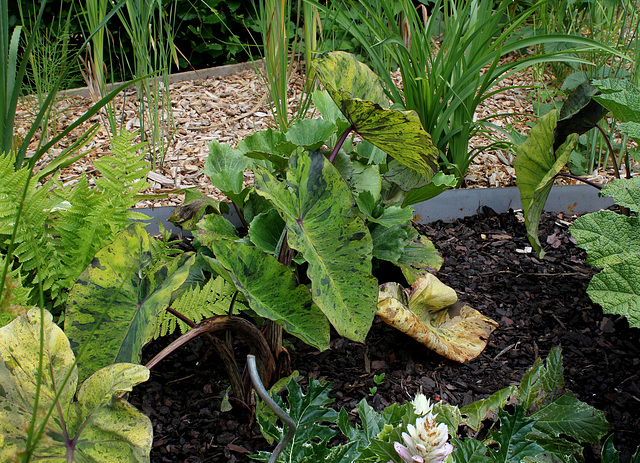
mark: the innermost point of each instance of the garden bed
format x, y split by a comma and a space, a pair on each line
538, 304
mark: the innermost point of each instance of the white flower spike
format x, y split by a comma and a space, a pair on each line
427, 441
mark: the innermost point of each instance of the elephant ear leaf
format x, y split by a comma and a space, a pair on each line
579, 113
537, 164
124, 296
432, 316
358, 93
336, 243
99, 427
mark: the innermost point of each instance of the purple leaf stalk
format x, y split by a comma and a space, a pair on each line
427, 441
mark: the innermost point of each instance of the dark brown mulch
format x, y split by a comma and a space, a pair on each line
538, 303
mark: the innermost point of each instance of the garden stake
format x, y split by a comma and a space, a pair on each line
264, 395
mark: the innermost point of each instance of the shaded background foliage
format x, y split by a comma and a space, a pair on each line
207, 32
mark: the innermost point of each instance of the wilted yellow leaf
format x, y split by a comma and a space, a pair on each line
456, 331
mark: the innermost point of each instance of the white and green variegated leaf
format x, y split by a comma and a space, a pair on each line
272, 292
317, 206
99, 427
123, 297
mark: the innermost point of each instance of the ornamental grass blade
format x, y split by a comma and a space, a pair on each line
100, 427
334, 241
455, 331
114, 293
272, 291
536, 166
358, 93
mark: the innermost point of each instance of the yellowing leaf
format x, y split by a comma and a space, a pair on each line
428, 295
457, 331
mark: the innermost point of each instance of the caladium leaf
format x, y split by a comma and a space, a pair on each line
225, 166
266, 231
119, 291
272, 292
310, 133
439, 183
456, 331
420, 257
194, 207
267, 145
100, 427
337, 245
536, 166
358, 93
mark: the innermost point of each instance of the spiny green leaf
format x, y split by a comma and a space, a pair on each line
512, 438
568, 416
332, 239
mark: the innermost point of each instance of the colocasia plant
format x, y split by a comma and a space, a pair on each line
323, 213
609, 238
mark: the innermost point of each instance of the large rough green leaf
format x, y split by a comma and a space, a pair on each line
625, 192
617, 289
432, 317
607, 237
632, 129
337, 245
569, 417
272, 292
100, 427
119, 292
358, 93
620, 97
536, 165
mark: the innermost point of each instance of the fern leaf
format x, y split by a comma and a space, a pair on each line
198, 303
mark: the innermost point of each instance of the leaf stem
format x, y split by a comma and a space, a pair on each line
340, 142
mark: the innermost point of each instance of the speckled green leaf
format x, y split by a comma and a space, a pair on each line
336, 243
100, 427
272, 292
358, 93
420, 257
536, 165
118, 286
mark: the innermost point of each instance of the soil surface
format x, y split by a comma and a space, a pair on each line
539, 304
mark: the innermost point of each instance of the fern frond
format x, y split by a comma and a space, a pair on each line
124, 175
198, 303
